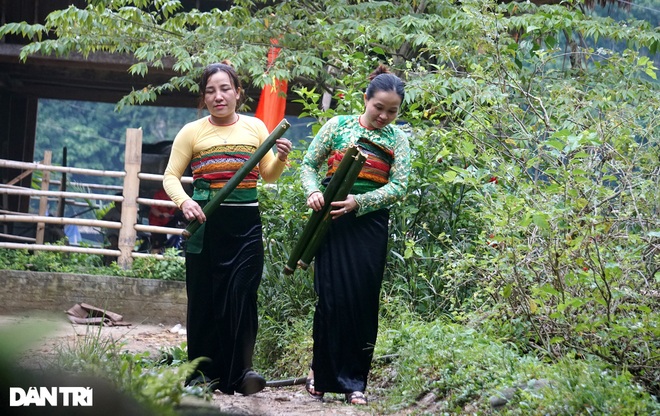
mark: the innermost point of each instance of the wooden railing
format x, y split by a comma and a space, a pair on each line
129, 198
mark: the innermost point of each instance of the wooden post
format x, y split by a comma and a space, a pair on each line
129, 208
61, 202
43, 201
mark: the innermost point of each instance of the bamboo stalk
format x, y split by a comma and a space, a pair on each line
4, 163
286, 382
69, 249
241, 173
158, 230
4, 211
17, 190
43, 200
156, 202
155, 177
17, 238
75, 249
341, 194
136, 255
19, 177
85, 185
59, 220
317, 216
71, 202
129, 206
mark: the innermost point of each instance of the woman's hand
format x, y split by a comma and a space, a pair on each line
343, 207
315, 200
191, 210
283, 148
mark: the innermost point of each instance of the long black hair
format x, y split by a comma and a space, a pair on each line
383, 80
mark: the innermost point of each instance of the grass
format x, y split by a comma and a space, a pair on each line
455, 369
86, 351
152, 385
422, 368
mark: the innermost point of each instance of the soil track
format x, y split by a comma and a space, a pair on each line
272, 401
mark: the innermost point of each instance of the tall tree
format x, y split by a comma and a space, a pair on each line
321, 41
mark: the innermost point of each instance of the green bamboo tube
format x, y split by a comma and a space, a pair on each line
343, 191
240, 174
317, 216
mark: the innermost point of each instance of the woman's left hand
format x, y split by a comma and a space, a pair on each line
283, 148
343, 207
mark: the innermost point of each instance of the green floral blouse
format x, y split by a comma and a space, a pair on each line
337, 135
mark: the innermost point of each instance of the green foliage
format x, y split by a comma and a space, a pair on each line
423, 35
14, 259
174, 356
532, 212
284, 346
171, 267
157, 387
569, 216
584, 387
85, 351
50, 261
94, 135
463, 368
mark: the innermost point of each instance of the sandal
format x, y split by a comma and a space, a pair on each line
357, 398
309, 386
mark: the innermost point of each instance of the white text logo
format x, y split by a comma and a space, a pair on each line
54, 396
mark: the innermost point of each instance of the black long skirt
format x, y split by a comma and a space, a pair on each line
348, 273
221, 284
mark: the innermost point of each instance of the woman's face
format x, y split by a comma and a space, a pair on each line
381, 109
220, 98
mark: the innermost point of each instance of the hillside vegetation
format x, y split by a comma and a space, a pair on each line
528, 245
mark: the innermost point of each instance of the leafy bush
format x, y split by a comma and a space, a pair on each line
532, 212
452, 368
159, 388
171, 267
53, 261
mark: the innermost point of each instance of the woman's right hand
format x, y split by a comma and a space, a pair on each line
191, 210
315, 200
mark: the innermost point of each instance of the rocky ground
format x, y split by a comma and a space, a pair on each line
272, 401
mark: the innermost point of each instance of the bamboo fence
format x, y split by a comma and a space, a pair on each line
129, 198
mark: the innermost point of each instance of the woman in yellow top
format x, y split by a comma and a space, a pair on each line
224, 258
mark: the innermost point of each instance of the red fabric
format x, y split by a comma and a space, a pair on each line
154, 218
272, 102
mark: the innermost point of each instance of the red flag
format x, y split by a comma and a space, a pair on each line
272, 101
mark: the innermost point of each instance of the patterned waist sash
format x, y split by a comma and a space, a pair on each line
213, 167
375, 172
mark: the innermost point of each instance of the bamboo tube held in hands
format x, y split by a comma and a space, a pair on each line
317, 216
342, 193
338, 189
240, 174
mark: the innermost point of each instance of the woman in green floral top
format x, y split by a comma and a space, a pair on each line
350, 263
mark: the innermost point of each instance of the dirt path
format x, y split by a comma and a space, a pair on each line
272, 401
